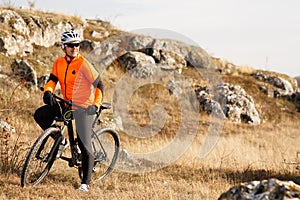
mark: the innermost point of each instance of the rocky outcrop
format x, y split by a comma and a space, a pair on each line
21, 32
171, 54
25, 73
138, 64
271, 189
232, 100
275, 86
281, 87
239, 106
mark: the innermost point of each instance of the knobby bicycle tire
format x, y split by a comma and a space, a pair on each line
41, 157
106, 145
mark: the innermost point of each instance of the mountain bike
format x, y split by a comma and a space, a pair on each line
45, 150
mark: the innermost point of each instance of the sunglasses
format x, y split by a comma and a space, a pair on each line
72, 45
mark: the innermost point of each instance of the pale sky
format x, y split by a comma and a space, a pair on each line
264, 34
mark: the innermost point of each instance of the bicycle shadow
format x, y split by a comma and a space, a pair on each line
69, 178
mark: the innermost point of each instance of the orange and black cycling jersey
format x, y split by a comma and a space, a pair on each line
79, 81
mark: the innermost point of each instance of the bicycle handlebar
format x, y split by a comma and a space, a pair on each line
70, 103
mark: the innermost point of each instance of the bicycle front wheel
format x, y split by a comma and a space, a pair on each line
106, 145
41, 157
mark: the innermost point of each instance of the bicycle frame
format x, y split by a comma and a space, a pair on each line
73, 160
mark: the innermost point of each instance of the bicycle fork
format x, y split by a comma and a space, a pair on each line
73, 160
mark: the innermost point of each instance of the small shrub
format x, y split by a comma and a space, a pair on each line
12, 153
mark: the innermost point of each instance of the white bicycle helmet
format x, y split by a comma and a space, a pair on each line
70, 36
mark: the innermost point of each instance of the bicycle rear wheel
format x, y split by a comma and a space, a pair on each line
105, 144
41, 157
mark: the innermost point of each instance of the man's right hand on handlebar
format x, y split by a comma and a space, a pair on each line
49, 99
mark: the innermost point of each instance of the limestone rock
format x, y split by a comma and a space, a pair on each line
22, 31
239, 106
271, 189
138, 64
236, 103
23, 71
281, 86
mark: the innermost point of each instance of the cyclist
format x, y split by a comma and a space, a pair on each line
81, 83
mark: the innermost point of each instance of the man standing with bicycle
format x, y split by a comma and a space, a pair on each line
80, 82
